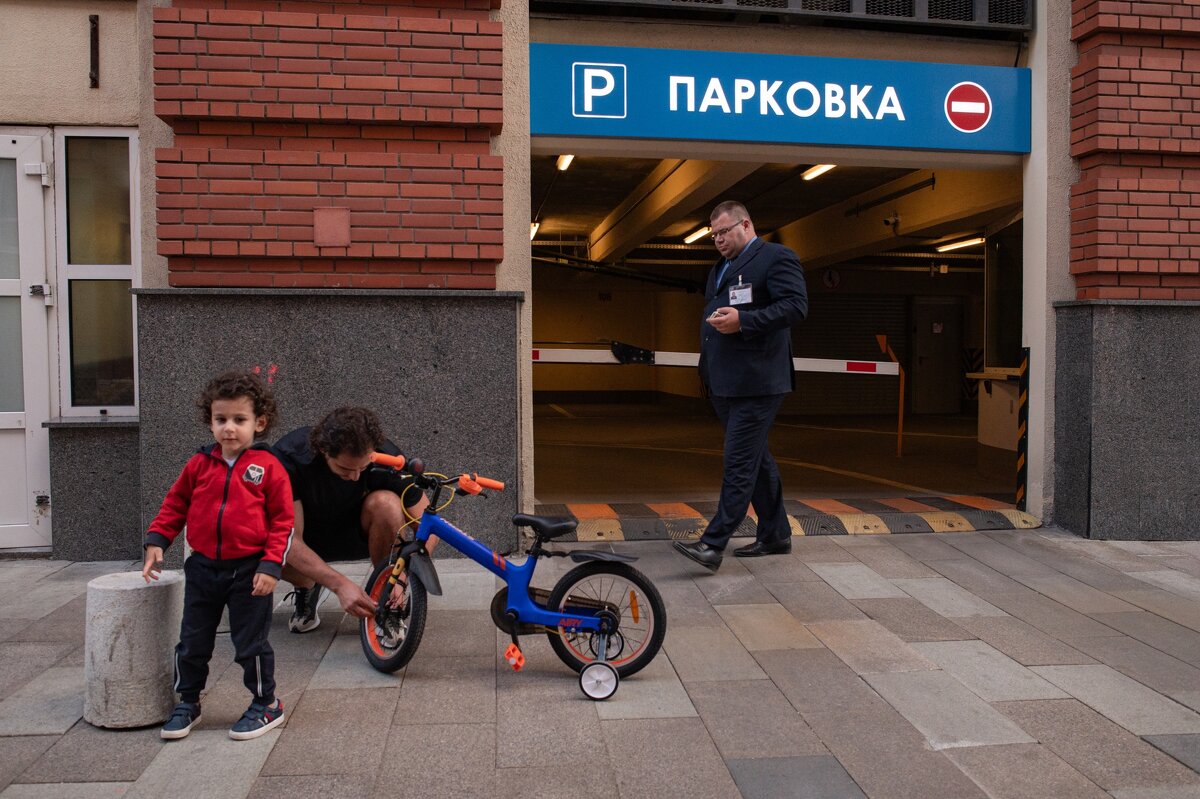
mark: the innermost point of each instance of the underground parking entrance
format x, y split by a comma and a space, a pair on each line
907, 374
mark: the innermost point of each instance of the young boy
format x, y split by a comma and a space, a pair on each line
235, 501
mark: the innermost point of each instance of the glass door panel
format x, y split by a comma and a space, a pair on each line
10, 253
12, 377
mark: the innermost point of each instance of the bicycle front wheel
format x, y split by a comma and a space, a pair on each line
622, 590
390, 638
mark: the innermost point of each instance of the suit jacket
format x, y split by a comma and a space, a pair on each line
757, 360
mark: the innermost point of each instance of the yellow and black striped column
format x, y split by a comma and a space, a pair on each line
1023, 431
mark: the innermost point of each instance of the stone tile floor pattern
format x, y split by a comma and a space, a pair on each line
1014, 665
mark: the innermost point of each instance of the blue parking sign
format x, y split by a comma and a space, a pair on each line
644, 93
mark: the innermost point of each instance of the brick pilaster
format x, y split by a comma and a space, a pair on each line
1135, 107
323, 144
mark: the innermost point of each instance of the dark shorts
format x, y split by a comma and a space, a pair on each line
336, 533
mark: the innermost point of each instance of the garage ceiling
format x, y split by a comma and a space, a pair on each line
633, 213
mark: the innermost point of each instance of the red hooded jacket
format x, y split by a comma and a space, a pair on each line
231, 512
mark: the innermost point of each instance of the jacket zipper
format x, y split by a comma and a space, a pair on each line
224, 500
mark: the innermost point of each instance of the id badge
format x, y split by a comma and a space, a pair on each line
741, 294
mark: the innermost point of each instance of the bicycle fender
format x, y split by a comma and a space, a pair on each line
584, 555
422, 567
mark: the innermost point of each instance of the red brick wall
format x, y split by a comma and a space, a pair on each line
382, 111
1135, 107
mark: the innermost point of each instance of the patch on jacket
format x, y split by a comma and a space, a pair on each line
254, 474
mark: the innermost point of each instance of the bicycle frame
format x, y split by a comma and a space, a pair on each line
516, 575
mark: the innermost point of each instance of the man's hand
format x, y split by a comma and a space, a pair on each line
725, 320
353, 599
304, 567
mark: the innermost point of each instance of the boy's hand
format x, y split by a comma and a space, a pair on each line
153, 563
263, 584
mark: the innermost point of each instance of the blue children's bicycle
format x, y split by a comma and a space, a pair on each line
604, 618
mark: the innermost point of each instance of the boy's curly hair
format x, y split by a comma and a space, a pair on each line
347, 429
232, 385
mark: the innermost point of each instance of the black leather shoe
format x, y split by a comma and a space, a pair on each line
760, 548
707, 556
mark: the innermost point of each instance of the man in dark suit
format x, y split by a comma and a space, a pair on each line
754, 295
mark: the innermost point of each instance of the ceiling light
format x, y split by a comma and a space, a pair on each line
564, 161
817, 171
697, 235
958, 245
533, 228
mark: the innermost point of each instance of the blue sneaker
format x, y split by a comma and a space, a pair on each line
257, 720
185, 716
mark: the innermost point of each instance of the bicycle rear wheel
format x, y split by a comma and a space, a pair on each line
390, 638
624, 591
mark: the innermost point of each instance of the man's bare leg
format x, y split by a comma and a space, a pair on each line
383, 514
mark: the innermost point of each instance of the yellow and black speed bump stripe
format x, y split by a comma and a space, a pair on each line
894, 515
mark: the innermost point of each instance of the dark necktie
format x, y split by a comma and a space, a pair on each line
721, 274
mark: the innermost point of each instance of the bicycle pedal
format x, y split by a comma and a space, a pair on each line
514, 657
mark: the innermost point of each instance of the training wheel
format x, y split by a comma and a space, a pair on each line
598, 681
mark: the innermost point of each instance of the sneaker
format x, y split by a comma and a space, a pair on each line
304, 617
257, 720
185, 716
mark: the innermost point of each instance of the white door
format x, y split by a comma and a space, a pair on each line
24, 359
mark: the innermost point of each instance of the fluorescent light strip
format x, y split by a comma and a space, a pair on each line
697, 235
564, 161
958, 245
817, 171
533, 229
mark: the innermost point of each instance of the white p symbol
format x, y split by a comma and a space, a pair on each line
592, 89
598, 90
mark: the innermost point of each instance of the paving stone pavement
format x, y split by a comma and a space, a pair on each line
1011, 665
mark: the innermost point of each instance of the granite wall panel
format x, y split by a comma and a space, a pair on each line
1137, 405
439, 368
94, 482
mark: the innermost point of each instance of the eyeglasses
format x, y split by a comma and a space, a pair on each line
716, 234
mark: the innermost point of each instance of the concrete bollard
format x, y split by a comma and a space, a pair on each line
129, 641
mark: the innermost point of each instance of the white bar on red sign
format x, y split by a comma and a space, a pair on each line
573, 356
676, 359
846, 367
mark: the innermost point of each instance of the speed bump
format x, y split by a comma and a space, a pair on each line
882, 516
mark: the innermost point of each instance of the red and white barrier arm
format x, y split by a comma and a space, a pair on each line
692, 359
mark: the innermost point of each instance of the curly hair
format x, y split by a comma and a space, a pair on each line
347, 429
233, 385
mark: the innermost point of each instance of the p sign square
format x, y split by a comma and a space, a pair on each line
598, 90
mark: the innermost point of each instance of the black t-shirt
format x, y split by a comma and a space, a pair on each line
323, 493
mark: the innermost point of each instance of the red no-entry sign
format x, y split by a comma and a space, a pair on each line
968, 107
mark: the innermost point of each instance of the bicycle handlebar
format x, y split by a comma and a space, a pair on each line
473, 483
383, 459
470, 483
488, 482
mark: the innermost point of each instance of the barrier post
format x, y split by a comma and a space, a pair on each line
886, 349
1023, 431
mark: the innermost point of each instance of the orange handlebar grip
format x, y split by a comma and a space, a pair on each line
465, 483
383, 459
488, 482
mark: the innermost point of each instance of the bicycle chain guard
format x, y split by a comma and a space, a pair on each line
500, 606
